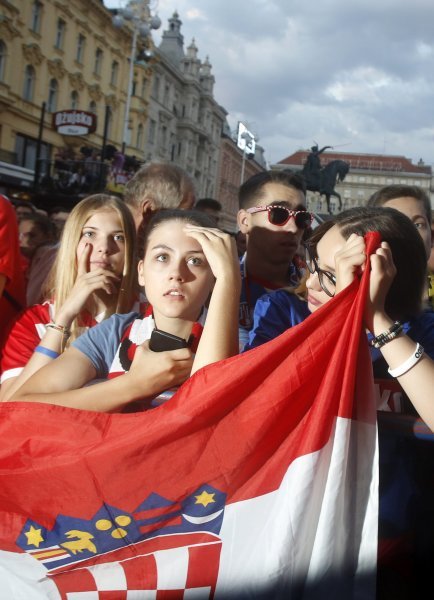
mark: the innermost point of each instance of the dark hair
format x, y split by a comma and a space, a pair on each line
45, 225
404, 298
251, 189
195, 217
24, 204
57, 209
316, 234
390, 192
208, 203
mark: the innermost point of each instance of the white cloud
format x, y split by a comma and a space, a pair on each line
358, 72
195, 14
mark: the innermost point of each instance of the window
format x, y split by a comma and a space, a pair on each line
144, 84
92, 107
2, 60
35, 25
98, 61
52, 96
60, 34
81, 42
164, 137
152, 128
156, 87
114, 73
29, 83
139, 143
25, 148
109, 123
74, 99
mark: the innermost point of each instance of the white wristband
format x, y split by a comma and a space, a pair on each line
409, 363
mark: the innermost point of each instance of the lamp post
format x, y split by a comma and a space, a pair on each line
138, 13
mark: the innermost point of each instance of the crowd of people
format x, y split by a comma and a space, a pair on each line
71, 271
83, 294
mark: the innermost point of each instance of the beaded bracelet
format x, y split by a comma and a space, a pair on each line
409, 363
60, 328
387, 336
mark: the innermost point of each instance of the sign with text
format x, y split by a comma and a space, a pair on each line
74, 122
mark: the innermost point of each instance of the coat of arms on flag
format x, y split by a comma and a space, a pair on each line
134, 551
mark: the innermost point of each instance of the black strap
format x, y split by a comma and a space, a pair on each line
12, 300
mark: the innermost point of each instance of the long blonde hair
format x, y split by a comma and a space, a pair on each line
63, 274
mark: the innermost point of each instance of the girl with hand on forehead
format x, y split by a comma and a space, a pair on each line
185, 261
401, 334
93, 277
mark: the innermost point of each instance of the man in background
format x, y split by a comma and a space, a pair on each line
211, 207
273, 218
156, 186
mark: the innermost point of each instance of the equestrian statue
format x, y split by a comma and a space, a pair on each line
323, 179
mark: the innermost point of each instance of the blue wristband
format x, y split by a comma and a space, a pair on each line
46, 351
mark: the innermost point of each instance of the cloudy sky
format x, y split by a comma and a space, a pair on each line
357, 75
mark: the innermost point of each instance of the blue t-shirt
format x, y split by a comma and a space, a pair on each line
279, 310
275, 313
251, 291
100, 343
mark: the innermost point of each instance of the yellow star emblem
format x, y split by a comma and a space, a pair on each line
34, 536
204, 498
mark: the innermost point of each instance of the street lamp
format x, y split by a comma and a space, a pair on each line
138, 14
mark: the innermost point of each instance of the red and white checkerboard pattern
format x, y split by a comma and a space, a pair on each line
182, 566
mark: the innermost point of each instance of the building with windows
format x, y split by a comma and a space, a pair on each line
185, 121
235, 167
367, 173
68, 55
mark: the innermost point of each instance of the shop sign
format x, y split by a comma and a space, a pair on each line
74, 122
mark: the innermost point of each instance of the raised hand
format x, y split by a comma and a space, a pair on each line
383, 271
349, 261
87, 282
219, 249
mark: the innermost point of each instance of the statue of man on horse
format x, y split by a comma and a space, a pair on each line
323, 179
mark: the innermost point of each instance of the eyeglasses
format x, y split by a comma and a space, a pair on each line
326, 279
280, 215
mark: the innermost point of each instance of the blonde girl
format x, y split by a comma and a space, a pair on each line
93, 277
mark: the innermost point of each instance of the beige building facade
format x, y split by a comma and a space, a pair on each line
68, 55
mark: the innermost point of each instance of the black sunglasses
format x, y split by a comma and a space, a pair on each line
326, 279
280, 215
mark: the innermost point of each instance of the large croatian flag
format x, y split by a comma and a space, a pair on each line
259, 479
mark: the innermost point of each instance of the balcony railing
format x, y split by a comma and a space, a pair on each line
72, 176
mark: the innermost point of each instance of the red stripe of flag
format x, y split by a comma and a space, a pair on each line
176, 520
160, 511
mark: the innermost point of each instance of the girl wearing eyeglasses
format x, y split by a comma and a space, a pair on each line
400, 332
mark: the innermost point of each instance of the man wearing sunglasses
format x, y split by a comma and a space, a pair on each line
273, 217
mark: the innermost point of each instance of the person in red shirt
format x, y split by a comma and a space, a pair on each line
93, 277
12, 286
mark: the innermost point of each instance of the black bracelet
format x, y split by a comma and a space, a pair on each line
382, 339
